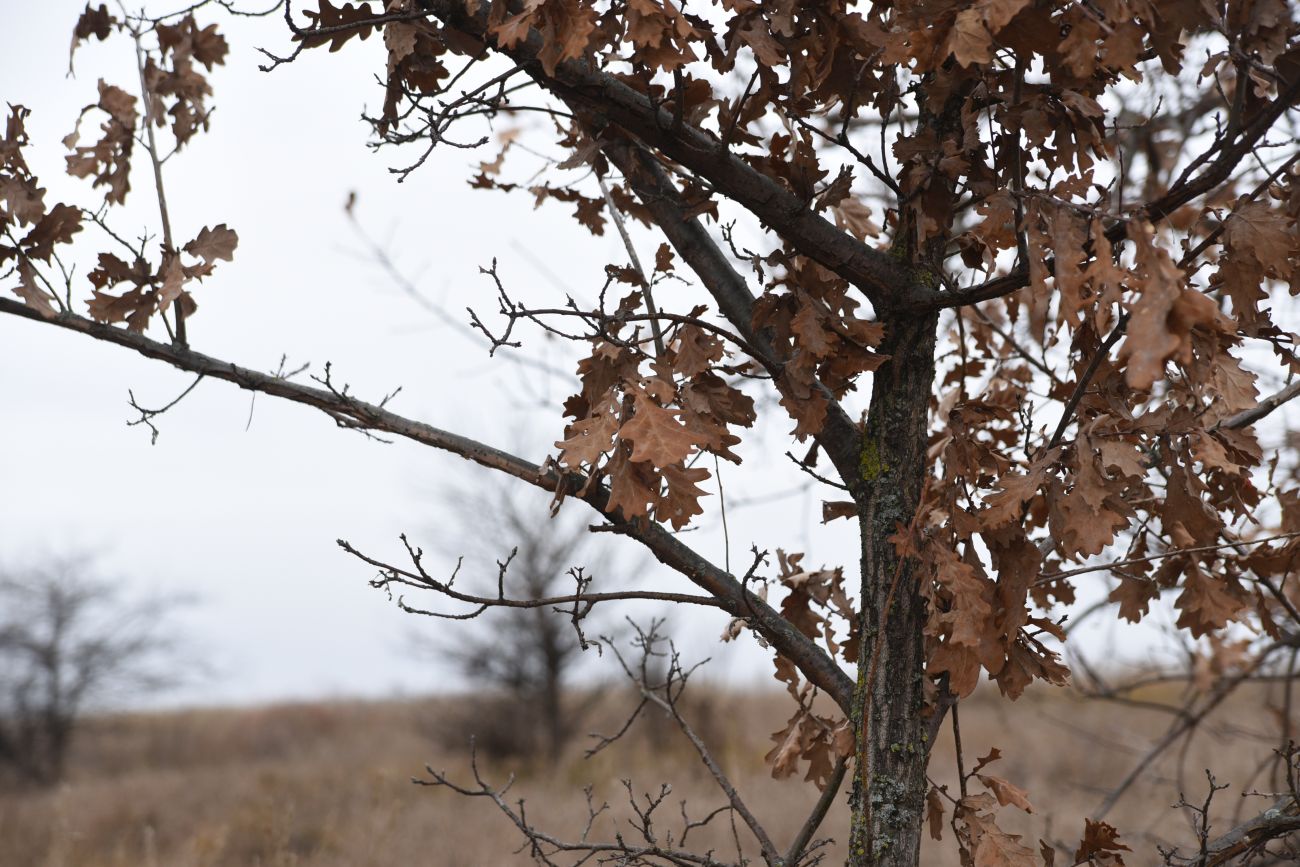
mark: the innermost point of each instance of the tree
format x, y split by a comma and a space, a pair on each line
68, 642
527, 653
1049, 239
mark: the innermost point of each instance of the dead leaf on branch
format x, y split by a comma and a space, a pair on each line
343, 22
934, 811
219, 242
96, 22
1100, 839
109, 159
656, 435
56, 227
153, 291
1006, 793
986, 844
1164, 315
34, 294
807, 737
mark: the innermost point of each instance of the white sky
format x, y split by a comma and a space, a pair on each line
246, 520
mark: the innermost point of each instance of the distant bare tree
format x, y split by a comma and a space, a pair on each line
68, 641
523, 656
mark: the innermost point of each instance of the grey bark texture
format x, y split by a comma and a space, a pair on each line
888, 795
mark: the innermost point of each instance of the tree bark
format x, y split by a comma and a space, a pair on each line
888, 795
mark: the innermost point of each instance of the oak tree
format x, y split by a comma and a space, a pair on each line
1018, 288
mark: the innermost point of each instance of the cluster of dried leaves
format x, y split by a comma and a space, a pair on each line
130, 289
1095, 201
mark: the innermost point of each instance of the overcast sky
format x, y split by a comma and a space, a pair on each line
243, 515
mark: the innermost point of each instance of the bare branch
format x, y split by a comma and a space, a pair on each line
733, 597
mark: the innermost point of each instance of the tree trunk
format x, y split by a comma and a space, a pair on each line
888, 795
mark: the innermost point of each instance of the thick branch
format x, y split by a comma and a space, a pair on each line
1281, 819
839, 436
350, 412
1248, 417
884, 280
1156, 210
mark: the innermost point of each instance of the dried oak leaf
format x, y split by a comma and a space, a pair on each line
680, 500
838, 509
855, 218
1134, 596
934, 811
1265, 233
341, 22
996, 848
93, 22
960, 663
23, 200
1164, 315
1099, 838
34, 295
1006, 505
660, 34
807, 737
663, 259
990, 846
784, 757
109, 159
136, 306
588, 439
633, 487
969, 42
15, 138
695, 351
172, 280
219, 242
656, 435
1006, 793
56, 227
1208, 603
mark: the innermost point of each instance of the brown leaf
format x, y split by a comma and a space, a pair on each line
633, 487
1208, 603
784, 757
1134, 596
342, 22
588, 439
56, 227
681, 500
24, 201
934, 810
93, 22
695, 351
838, 509
1006, 505
1263, 232
212, 244
997, 848
34, 295
399, 38
1099, 838
109, 159
663, 259
1006, 793
656, 435
969, 41
1164, 316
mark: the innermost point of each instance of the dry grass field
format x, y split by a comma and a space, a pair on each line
327, 785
